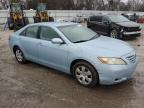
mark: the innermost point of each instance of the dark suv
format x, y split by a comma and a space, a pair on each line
116, 26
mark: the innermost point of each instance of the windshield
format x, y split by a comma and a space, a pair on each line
41, 7
16, 7
78, 33
117, 18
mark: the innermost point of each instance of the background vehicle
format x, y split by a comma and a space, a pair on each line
81, 18
141, 19
17, 18
131, 16
115, 26
77, 50
41, 14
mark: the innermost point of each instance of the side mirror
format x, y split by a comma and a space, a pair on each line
57, 41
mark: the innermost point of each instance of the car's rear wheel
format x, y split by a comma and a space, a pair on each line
114, 34
19, 55
85, 74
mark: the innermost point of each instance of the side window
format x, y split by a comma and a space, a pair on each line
96, 18
23, 33
93, 18
30, 32
105, 20
48, 33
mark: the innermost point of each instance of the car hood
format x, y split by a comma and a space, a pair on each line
128, 24
107, 46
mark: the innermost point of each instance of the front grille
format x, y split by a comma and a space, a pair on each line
132, 29
131, 58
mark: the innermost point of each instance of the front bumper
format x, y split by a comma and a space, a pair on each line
113, 74
133, 34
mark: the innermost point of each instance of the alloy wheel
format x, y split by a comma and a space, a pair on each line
19, 55
114, 34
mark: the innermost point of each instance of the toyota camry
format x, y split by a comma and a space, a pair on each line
74, 49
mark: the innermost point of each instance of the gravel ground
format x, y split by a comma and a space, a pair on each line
34, 86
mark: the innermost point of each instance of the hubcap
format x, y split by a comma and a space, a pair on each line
19, 55
83, 75
113, 34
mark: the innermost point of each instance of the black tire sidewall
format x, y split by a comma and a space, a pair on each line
51, 19
95, 78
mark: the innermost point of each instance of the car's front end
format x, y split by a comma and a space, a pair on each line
128, 29
124, 27
114, 60
131, 31
115, 72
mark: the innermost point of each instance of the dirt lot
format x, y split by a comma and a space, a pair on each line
35, 86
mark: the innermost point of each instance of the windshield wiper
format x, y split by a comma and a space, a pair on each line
80, 41
96, 36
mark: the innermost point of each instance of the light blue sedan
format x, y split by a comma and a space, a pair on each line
77, 50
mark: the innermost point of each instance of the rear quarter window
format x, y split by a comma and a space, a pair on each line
30, 32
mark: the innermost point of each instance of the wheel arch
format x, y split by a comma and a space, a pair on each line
14, 48
82, 60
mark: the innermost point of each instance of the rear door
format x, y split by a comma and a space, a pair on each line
29, 42
95, 23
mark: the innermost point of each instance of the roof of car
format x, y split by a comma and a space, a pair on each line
55, 24
104, 15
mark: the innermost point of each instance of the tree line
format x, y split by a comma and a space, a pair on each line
113, 5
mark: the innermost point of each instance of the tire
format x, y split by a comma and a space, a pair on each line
51, 19
36, 20
26, 20
10, 24
114, 34
19, 55
85, 74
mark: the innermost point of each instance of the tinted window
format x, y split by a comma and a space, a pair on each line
117, 18
48, 33
104, 19
96, 18
23, 33
30, 32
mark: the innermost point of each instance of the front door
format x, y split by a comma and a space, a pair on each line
50, 54
105, 26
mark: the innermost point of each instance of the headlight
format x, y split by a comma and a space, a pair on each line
112, 61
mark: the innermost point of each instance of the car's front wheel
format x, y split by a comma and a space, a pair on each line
19, 55
85, 74
114, 34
